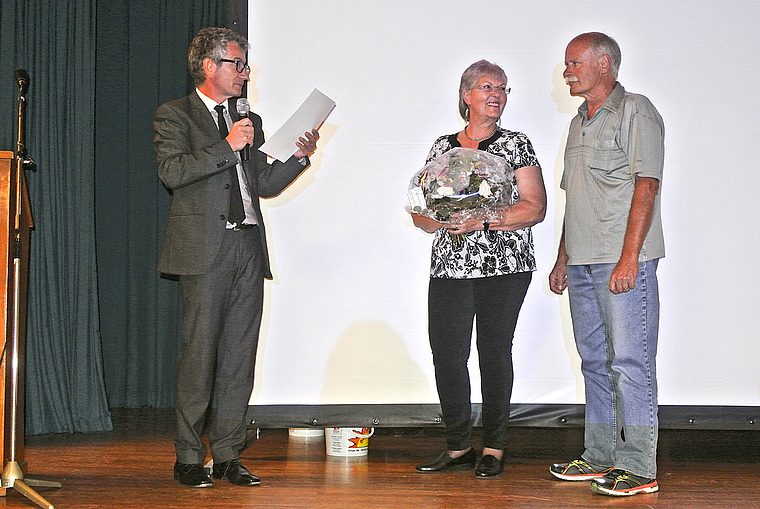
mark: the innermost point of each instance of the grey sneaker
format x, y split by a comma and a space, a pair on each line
619, 483
578, 470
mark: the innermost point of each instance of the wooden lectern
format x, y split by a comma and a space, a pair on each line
9, 204
15, 227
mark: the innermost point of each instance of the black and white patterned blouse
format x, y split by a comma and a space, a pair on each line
481, 254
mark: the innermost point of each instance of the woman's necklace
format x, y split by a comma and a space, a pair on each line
482, 137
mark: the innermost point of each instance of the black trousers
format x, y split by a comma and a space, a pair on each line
221, 317
494, 303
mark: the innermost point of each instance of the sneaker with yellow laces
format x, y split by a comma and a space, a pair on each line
578, 470
619, 483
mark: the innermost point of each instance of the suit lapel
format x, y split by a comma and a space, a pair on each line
232, 108
204, 117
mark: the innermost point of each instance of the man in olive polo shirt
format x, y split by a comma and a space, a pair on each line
608, 255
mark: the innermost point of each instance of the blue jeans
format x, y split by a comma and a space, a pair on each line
616, 337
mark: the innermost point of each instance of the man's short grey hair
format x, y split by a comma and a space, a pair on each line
470, 77
211, 42
602, 44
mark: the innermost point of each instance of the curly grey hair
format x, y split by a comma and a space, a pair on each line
211, 42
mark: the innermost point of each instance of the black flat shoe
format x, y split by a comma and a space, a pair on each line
445, 463
235, 472
490, 467
192, 475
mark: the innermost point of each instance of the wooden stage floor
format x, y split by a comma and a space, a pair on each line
131, 467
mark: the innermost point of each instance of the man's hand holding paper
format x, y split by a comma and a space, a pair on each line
307, 143
300, 129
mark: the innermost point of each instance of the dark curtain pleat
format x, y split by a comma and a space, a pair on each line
141, 62
55, 43
102, 326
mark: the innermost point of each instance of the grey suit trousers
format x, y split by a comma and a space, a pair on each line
221, 318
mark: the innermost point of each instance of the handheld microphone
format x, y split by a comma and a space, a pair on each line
22, 80
243, 109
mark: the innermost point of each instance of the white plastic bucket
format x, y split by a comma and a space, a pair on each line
306, 432
347, 442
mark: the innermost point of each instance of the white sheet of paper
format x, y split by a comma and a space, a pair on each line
310, 115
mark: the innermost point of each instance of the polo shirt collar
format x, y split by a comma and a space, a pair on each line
612, 103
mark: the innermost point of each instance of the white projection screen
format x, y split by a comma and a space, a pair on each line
346, 314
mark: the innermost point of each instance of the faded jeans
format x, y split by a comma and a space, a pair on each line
616, 337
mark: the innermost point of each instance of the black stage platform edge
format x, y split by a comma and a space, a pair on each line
545, 415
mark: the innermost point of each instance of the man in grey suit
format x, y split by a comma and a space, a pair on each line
217, 247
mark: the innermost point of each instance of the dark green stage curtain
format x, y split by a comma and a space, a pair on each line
102, 326
55, 42
141, 63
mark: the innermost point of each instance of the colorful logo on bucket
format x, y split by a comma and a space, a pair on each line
361, 441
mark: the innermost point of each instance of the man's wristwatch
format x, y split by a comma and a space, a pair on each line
303, 160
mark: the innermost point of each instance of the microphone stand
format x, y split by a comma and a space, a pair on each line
13, 476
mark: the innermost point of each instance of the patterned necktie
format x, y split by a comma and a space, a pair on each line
236, 213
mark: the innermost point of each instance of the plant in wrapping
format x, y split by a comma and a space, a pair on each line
464, 182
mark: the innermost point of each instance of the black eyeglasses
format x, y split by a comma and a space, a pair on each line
240, 66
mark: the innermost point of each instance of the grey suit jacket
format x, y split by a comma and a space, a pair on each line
193, 163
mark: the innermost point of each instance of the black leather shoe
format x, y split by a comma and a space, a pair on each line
490, 467
236, 473
191, 474
445, 463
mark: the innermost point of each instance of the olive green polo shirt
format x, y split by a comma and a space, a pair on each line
603, 155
